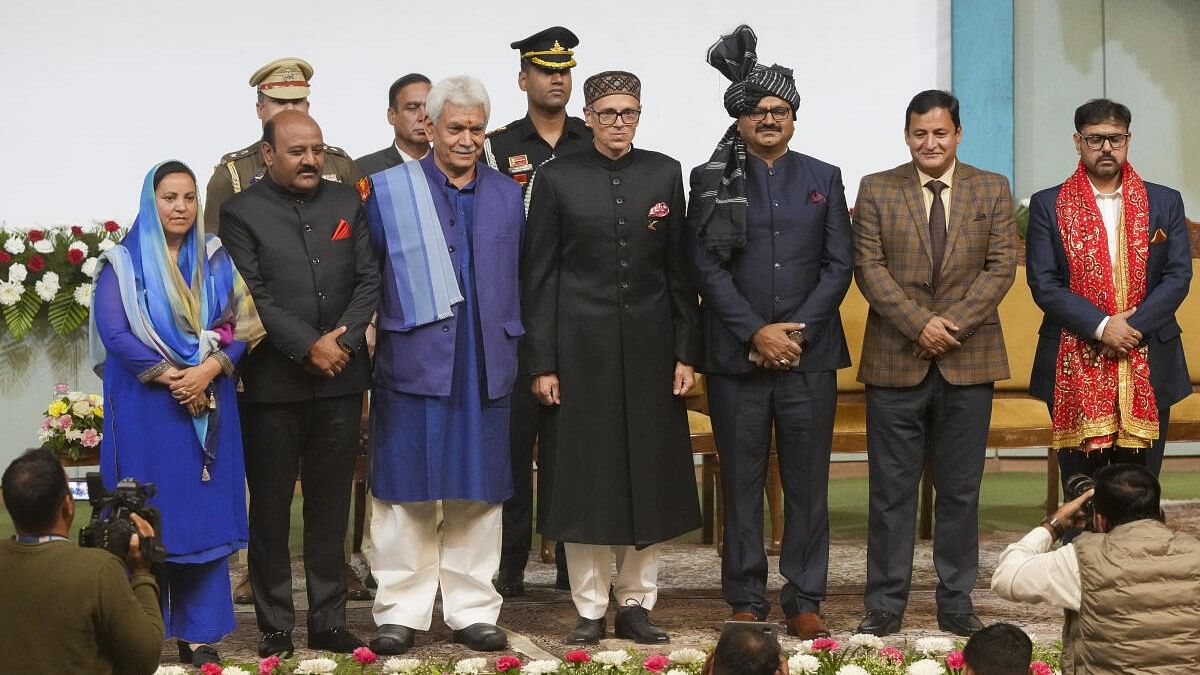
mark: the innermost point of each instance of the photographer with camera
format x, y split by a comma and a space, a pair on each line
66, 609
1131, 586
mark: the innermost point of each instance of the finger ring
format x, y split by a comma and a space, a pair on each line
784, 362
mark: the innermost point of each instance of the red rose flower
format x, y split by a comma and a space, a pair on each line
74, 256
77, 230
35, 235
364, 655
111, 226
656, 663
955, 659
5, 257
36, 264
211, 669
659, 210
822, 644
507, 662
268, 665
577, 656
1041, 668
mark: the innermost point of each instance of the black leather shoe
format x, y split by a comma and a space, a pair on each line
277, 643
878, 622
633, 623
198, 656
393, 639
355, 590
960, 624
482, 637
587, 632
338, 640
510, 584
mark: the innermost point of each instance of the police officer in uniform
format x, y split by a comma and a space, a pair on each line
282, 85
516, 150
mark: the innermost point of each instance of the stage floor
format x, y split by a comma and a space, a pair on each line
690, 605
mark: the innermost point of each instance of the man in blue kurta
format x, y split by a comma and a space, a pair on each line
449, 231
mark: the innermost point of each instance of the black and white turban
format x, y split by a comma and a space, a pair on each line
720, 217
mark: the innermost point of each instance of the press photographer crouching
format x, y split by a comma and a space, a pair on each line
66, 609
1131, 586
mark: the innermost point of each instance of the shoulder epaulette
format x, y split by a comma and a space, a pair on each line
497, 130
238, 154
334, 150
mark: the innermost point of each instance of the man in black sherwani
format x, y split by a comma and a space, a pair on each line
301, 244
611, 335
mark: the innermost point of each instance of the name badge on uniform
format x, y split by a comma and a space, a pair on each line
518, 163
332, 176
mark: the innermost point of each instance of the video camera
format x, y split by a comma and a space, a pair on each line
111, 527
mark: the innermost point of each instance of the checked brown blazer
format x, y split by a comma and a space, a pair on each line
893, 268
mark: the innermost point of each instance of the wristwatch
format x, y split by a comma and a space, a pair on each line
1055, 527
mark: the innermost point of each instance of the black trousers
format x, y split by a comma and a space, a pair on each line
317, 440
524, 422
1071, 462
799, 407
948, 424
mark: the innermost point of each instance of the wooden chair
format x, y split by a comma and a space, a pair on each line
1185, 415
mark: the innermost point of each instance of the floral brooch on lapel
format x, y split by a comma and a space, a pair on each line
657, 212
815, 197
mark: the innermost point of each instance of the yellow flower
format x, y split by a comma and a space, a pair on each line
98, 410
57, 408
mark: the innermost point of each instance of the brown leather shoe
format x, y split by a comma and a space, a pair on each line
745, 616
354, 588
807, 626
244, 594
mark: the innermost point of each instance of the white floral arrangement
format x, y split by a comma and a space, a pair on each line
52, 268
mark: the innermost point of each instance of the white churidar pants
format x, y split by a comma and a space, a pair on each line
411, 558
589, 567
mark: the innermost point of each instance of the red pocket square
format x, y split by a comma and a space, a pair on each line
342, 231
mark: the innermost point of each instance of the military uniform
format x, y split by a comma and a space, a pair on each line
240, 169
517, 150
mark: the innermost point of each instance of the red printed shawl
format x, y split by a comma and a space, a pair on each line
1098, 401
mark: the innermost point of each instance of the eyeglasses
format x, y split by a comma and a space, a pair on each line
608, 118
778, 114
1096, 141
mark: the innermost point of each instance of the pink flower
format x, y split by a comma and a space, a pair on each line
577, 656
659, 210
46, 421
892, 654
1040, 668
65, 421
211, 669
364, 655
823, 644
656, 663
90, 438
268, 665
507, 662
955, 659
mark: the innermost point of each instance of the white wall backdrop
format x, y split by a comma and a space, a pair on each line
96, 92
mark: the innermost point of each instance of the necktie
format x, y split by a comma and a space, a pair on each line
937, 227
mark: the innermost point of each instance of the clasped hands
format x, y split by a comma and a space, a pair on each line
189, 385
326, 357
546, 390
936, 338
778, 351
1118, 336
